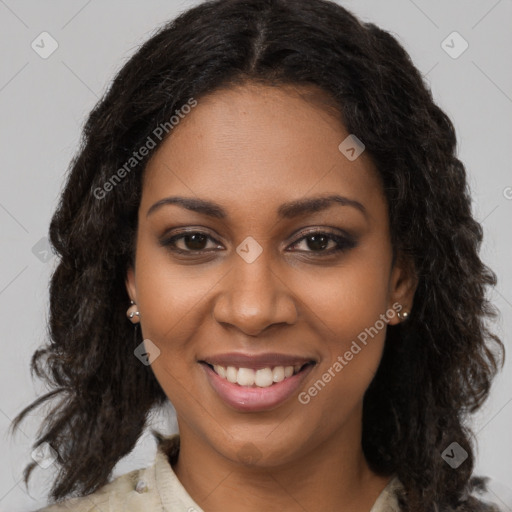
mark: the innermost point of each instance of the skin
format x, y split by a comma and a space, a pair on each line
250, 149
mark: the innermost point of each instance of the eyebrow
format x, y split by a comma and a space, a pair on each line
285, 211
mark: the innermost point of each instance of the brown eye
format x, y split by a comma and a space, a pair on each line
189, 242
195, 242
317, 242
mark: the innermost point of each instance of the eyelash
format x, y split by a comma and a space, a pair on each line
343, 243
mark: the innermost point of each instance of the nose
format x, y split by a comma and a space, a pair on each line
253, 297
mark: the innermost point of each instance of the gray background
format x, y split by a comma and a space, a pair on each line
44, 103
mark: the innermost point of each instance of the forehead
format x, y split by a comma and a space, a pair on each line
257, 144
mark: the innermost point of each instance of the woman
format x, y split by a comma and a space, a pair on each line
270, 196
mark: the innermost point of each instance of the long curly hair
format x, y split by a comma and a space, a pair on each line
437, 367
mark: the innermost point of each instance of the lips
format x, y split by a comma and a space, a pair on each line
256, 382
256, 361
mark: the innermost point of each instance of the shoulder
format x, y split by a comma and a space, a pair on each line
484, 495
150, 489
134, 491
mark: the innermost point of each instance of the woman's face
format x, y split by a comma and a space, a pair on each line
264, 280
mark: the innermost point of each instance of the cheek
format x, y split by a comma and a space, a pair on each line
349, 298
350, 303
172, 301
171, 315
169, 295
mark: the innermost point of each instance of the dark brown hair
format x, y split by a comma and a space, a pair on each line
437, 367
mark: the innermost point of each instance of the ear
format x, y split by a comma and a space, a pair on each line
402, 286
130, 284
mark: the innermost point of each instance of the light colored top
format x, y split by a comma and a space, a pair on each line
157, 489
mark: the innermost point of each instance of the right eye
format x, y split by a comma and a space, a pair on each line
192, 242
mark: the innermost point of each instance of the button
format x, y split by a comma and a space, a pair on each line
141, 486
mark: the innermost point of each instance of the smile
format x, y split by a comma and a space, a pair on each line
262, 378
252, 384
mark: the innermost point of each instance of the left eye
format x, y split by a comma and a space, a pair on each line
319, 241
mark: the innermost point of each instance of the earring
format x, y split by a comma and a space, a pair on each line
403, 315
132, 312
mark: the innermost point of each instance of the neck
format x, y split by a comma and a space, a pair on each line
332, 475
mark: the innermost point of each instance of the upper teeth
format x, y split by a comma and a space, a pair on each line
262, 378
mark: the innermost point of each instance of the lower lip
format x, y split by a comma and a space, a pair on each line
253, 399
